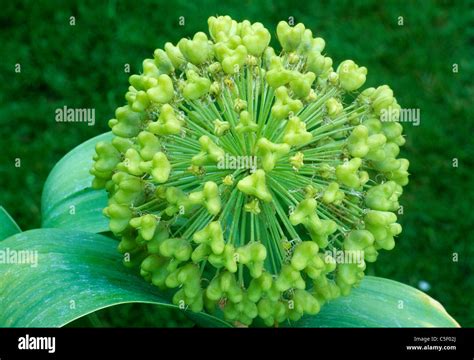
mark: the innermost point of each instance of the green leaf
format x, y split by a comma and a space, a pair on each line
77, 273
379, 302
8, 226
68, 201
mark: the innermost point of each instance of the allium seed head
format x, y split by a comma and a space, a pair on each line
243, 176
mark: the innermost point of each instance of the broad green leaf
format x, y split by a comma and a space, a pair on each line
379, 302
80, 211
8, 226
77, 273
68, 201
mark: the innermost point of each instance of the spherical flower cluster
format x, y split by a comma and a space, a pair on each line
242, 178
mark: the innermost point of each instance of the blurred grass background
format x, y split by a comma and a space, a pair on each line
83, 66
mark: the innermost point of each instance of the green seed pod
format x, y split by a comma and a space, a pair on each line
221, 127
178, 202
210, 152
195, 304
163, 92
277, 75
357, 142
131, 163
222, 27
128, 189
163, 62
301, 84
295, 132
272, 311
211, 235
255, 37
127, 122
351, 76
253, 256
160, 235
189, 277
315, 267
400, 175
179, 249
384, 197
105, 161
303, 212
208, 197
289, 278
168, 123
197, 50
246, 123
227, 259
358, 240
138, 100
119, 216
149, 145
232, 60
196, 86
348, 275
150, 69
383, 227
259, 286
332, 194
141, 82
146, 225
319, 64
333, 107
224, 285
284, 104
319, 230
122, 144
243, 312
254, 185
270, 153
304, 302
348, 173
304, 253
289, 37
175, 55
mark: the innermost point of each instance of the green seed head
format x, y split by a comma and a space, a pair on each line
243, 177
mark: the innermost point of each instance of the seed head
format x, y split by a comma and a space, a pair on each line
195, 214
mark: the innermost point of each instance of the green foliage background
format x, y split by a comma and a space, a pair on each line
83, 66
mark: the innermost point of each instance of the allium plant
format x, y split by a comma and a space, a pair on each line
267, 241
